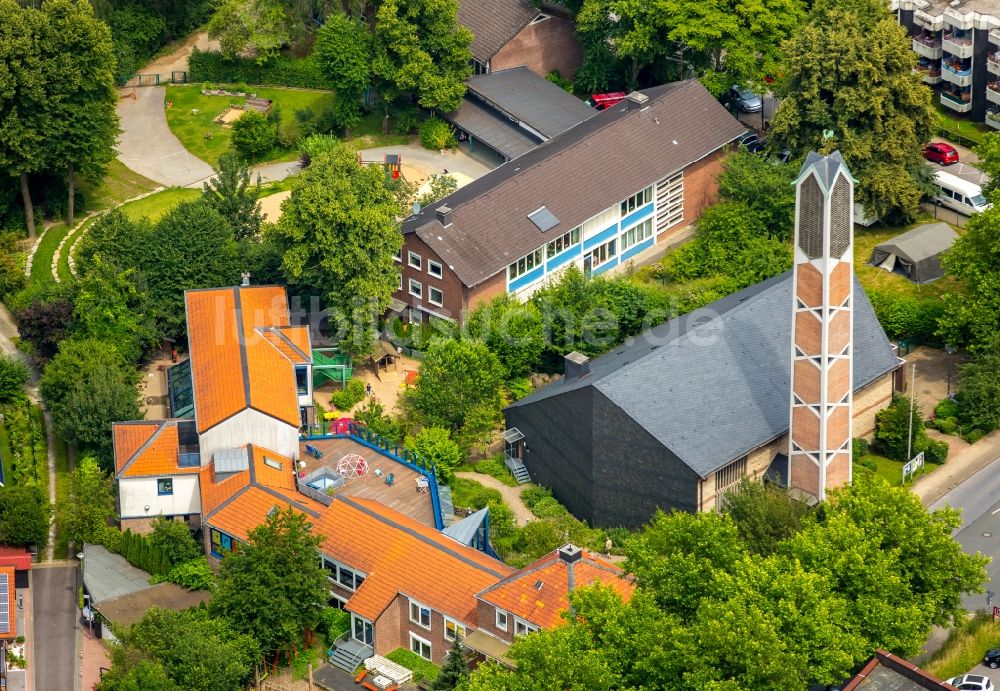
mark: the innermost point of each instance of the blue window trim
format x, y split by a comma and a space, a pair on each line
223, 538
637, 215
635, 249
526, 279
160, 492
564, 256
610, 264
601, 237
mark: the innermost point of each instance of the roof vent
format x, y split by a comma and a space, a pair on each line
444, 215
543, 218
246, 278
538, 585
636, 101
576, 366
570, 553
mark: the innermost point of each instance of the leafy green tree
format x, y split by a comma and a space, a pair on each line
596, 31
765, 187
978, 394
435, 445
764, 515
81, 100
91, 502
196, 651
972, 316
988, 153
455, 669
273, 588
849, 72
896, 432
255, 27
421, 49
174, 539
235, 197
112, 305
24, 516
460, 388
440, 187
343, 51
14, 374
512, 330
141, 675
44, 315
373, 416
253, 136
338, 235
191, 247
116, 238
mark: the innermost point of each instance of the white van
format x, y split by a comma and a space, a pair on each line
961, 195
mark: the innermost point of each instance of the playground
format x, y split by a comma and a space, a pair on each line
330, 371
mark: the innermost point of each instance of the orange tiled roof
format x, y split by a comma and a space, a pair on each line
156, 455
242, 352
10, 605
543, 606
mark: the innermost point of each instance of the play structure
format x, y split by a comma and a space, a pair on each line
391, 163
329, 364
352, 466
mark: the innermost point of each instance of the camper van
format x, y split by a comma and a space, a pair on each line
961, 195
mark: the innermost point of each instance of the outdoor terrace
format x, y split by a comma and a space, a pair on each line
401, 496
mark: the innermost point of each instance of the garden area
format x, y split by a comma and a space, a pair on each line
192, 118
960, 130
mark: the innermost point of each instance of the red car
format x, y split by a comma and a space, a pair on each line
602, 101
942, 153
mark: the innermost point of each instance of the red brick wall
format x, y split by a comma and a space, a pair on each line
487, 619
548, 45
393, 628
138, 525
449, 285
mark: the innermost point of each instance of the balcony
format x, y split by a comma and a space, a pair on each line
959, 45
993, 92
956, 72
994, 37
956, 103
927, 46
930, 74
993, 119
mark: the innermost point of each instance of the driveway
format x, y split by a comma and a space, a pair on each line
54, 612
147, 146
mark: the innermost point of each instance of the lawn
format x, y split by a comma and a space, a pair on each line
891, 471
965, 646
874, 278
41, 265
156, 205
191, 117
368, 134
965, 129
119, 184
62, 264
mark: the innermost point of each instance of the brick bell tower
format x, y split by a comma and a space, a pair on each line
822, 327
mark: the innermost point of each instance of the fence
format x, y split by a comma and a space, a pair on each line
955, 137
176, 77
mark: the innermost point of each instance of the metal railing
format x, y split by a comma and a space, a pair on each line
967, 72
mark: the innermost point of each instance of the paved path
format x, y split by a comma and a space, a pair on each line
55, 630
428, 162
511, 495
147, 146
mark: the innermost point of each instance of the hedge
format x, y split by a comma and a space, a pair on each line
906, 316
303, 73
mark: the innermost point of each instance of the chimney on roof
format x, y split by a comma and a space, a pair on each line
444, 215
576, 366
570, 554
246, 278
636, 101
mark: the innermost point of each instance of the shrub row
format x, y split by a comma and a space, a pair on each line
905, 316
303, 73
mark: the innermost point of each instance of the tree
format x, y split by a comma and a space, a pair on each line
338, 235
174, 539
14, 374
461, 382
972, 315
142, 675
24, 516
455, 669
343, 51
440, 187
373, 416
764, 515
91, 502
849, 72
116, 238
435, 445
81, 99
512, 331
191, 247
111, 305
273, 588
764, 186
988, 153
255, 27
421, 49
23, 117
194, 650
236, 199
897, 433
597, 31
978, 394
253, 136
44, 315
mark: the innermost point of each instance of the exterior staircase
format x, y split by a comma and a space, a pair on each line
517, 469
348, 654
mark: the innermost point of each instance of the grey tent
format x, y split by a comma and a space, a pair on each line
916, 253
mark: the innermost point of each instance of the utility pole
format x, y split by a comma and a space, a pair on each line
909, 436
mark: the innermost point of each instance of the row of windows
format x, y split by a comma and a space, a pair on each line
636, 234
415, 261
637, 200
524, 264
564, 242
349, 578
521, 627
416, 289
602, 254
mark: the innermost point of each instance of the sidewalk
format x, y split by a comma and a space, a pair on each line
93, 656
959, 468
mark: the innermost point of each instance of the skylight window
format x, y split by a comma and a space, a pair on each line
543, 218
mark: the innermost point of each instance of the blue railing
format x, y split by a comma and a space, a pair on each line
362, 435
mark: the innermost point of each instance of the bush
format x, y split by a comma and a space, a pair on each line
936, 451
253, 135
495, 468
560, 81
407, 119
349, 396
192, 575
472, 495
946, 408
111, 539
906, 316
372, 415
333, 622
421, 668
532, 495
859, 447
867, 462
973, 435
436, 134
946, 425
317, 145
434, 445
282, 71
549, 507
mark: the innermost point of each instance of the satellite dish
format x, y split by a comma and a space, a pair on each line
416, 208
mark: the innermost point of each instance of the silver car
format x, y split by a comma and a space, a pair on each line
971, 682
748, 101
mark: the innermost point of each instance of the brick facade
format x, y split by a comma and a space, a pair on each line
542, 47
393, 629
138, 525
868, 402
487, 616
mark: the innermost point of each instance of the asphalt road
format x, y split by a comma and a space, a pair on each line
54, 611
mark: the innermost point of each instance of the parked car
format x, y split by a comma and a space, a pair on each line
960, 195
747, 100
992, 658
751, 142
602, 101
942, 153
971, 682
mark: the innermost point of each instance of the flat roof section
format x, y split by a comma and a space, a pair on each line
107, 575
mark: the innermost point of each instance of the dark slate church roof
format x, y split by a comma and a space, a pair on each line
714, 384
